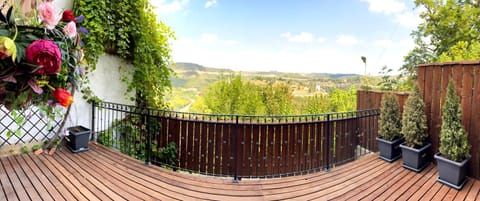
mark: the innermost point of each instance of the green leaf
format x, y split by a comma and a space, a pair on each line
18, 133
9, 133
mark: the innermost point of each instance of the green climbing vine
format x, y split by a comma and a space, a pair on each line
129, 29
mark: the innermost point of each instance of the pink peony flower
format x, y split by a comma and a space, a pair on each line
44, 53
49, 15
70, 29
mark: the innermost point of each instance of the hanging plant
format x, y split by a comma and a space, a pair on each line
40, 60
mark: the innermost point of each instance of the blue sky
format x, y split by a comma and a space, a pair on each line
325, 36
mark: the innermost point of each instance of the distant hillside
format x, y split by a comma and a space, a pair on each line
190, 69
190, 80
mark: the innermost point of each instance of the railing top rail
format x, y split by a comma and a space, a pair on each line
226, 117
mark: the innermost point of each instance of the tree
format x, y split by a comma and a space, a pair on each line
453, 137
414, 120
389, 122
445, 24
343, 100
277, 98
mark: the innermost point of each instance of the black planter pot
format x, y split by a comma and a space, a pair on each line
451, 173
390, 150
78, 138
415, 159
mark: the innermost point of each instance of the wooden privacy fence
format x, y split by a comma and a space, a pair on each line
373, 99
433, 80
237, 145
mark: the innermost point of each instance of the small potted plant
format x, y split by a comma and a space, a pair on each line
454, 147
389, 138
414, 130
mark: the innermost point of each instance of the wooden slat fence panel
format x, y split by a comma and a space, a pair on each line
242, 146
466, 78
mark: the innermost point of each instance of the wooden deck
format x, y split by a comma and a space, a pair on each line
103, 174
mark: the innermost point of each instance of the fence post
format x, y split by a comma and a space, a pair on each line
327, 143
148, 148
235, 147
92, 136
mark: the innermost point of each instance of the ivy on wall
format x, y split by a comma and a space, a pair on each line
129, 29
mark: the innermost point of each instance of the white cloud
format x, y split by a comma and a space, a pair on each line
210, 3
321, 39
231, 42
166, 7
347, 40
208, 38
385, 6
409, 19
303, 37
383, 43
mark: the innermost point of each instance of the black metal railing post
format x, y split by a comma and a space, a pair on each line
92, 133
327, 143
148, 141
235, 151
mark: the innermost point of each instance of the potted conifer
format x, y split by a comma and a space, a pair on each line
414, 130
454, 147
389, 138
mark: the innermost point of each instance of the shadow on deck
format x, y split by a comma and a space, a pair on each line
103, 174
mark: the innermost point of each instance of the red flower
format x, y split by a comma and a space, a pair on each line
68, 16
44, 53
63, 97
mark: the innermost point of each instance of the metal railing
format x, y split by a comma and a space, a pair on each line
238, 146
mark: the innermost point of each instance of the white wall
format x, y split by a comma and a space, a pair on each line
106, 83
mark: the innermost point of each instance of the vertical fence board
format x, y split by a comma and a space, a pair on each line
204, 146
211, 148
263, 145
218, 148
226, 149
196, 136
190, 145
285, 149
277, 153
270, 162
255, 147
474, 131
248, 150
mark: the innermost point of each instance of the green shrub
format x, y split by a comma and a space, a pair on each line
414, 120
25, 149
453, 137
389, 122
168, 154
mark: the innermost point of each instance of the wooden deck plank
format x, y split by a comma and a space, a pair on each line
88, 190
8, 190
56, 186
407, 184
430, 194
114, 175
425, 176
424, 188
104, 174
46, 184
63, 179
90, 178
19, 190
463, 193
37, 191
472, 195
180, 189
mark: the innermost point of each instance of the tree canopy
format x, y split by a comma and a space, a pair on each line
449, 32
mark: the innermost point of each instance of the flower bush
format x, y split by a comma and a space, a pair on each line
41, 60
